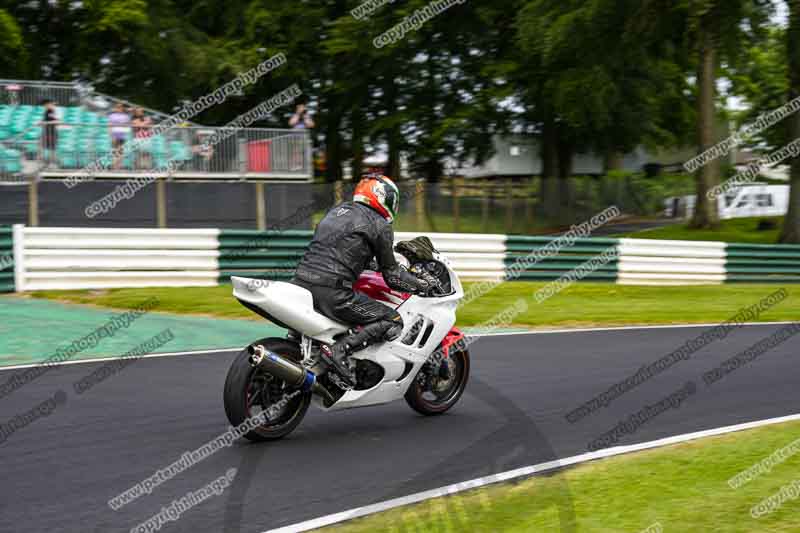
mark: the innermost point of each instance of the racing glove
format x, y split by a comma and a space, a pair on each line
400, 279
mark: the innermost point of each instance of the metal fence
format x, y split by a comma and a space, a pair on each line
520, 206
30, 149
457, 206
33, 93
26, 92
54, 151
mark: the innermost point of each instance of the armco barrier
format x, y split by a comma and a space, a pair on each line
760, 263
657, 262
81, 258
89, 258
6, 259
527, 258
274, 254
268, 254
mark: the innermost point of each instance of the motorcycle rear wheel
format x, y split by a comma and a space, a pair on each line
434, 396
250, 391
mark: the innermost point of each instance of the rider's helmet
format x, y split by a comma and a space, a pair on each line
380, 193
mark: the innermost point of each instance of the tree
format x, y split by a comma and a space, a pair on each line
720, 30
12, 51
598, 80
790, 232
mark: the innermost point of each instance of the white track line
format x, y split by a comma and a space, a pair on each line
519, 473
116, 358
624, 328
498, 334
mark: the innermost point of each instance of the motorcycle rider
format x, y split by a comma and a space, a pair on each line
346, 240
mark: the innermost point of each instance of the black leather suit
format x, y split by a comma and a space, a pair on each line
344, 243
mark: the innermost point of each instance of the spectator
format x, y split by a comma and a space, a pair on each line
49, 132
142, 125
202, 151
301, 120
119, 125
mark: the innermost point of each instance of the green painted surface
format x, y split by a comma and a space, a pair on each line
32, 329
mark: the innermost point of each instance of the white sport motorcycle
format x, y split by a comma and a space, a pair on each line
274, 380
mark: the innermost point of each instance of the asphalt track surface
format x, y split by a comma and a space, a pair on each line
59, 472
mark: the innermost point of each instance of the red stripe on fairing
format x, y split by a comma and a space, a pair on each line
453, 336
373, 285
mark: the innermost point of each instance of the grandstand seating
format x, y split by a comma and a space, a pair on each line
84, 142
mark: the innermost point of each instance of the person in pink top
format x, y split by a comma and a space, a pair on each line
119, 126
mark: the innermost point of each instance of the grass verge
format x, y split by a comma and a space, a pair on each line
580, 305
734, 230
682, 488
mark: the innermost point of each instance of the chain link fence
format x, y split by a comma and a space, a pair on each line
519, 206
455, 205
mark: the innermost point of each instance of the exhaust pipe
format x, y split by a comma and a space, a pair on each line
293, 374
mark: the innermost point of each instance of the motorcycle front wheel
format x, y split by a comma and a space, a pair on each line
251, 392
433, 393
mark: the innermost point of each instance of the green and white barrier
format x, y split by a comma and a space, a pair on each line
542, 258
757, 263
96, 258
87, 258
6, 259
656, 262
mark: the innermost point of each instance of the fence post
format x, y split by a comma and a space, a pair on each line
337, 192
33, 202
261, 207
487, 191
529, 206
161, 202
456, 206
509, 205
419, 205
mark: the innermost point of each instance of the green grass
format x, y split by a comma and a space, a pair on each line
471, 219
206, 301
683, 488
734, 230
582, 304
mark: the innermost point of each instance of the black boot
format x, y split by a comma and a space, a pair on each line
338, 354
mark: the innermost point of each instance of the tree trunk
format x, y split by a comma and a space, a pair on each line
565, 153
613, 161
790, 233
549, 153
393, 137
433, 170
333, 148
357, 156
706, 213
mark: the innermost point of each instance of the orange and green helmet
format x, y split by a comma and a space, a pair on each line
380, 193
